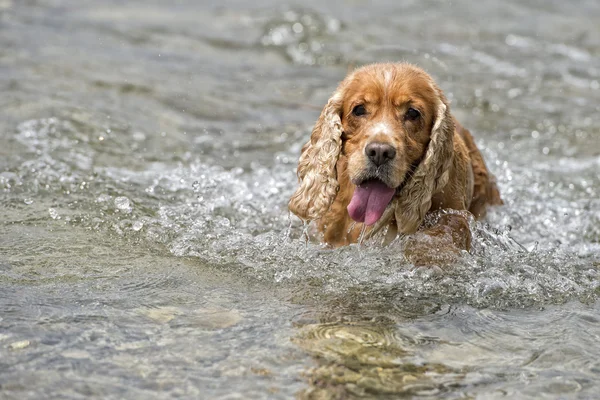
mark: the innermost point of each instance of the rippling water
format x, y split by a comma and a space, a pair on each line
147, 152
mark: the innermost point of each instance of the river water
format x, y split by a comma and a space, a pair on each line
147, 152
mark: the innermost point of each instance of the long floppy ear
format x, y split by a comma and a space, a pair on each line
317, 173
433, 173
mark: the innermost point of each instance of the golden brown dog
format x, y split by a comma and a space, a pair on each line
385, 152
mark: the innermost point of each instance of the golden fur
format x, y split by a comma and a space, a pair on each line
437, 165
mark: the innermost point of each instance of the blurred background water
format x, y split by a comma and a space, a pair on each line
147, 152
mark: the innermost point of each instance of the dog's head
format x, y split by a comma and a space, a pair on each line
392, 123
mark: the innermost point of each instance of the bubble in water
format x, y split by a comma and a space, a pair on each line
102, 198
139, 136
53, 213
196, 186
137, 226
28, 201
122, 203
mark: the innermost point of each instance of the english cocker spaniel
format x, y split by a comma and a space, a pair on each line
385, 152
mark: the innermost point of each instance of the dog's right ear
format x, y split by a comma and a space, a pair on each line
317, 174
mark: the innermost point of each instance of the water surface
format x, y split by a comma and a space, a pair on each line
147, 152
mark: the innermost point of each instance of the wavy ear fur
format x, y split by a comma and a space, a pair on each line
413, 202
317, 175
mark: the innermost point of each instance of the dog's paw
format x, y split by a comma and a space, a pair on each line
431, 248
439, 245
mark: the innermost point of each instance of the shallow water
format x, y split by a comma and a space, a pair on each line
147, 152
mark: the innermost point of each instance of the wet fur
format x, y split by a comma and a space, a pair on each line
437, 164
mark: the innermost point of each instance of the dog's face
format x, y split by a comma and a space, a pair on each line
392, 126
387, 117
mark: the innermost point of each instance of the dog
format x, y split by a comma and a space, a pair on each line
384, 153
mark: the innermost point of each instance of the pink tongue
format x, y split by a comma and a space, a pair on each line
369, 201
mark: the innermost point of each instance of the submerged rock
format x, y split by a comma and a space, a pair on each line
365, 361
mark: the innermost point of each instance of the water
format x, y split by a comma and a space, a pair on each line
147, 152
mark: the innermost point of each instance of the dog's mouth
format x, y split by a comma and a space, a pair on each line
369, 201
374, 191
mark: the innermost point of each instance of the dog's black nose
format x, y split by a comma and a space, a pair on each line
380, 153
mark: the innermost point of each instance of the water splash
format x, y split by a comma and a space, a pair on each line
122, 203
239, 220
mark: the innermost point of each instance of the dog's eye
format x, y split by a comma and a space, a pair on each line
412, 114
359, 110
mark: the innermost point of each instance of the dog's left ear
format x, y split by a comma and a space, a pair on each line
433, 173
441, 147
317, 174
